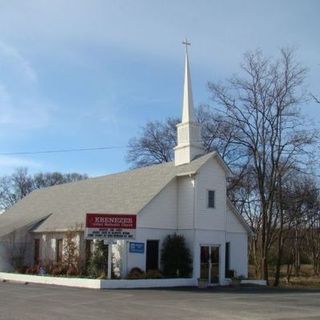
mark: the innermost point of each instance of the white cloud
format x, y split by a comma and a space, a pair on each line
10, 56
21, 105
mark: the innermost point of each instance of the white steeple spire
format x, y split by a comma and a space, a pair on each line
188, 131
187, 106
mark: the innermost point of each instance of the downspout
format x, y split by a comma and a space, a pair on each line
225, 239
177, 204
193, 181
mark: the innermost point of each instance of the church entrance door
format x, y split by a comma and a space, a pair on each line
152, 259
209, 263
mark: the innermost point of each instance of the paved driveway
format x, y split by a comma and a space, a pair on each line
18, 301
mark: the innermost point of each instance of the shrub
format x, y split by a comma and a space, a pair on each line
73, 271
33, 269
70, 249
175, 257
22, 269
58, 270
49, 266
98, 263
136, 273
17, 262
102, 275
154, 274
230, 274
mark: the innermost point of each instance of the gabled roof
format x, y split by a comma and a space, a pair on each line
66, 205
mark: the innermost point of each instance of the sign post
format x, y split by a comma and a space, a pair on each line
109, 227
109, 260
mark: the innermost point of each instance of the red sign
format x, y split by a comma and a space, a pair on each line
116, 221
110, 226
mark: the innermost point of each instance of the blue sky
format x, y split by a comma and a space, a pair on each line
78, 73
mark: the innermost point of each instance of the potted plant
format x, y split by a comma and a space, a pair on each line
236, 280
202, 283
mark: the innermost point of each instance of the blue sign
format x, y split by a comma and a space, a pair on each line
136, 247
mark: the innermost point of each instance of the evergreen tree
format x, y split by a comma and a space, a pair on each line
175, 257
98, 263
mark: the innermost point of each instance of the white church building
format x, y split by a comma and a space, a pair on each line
187, 196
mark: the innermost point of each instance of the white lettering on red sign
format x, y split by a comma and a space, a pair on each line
110, 226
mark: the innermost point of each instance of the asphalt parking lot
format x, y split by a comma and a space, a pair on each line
19, 301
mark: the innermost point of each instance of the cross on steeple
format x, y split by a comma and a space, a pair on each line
188, 130
186, 43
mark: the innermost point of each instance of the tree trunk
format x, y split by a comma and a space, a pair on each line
264, 246
279, 258
289, 271
280, 236
296, 254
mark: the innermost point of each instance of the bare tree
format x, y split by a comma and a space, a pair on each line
296, 206
219, 135
42, 180
7, 194
242, 191
21, 183
14, 187
262, 105
157, 140
317, 100
155, 145
313, 240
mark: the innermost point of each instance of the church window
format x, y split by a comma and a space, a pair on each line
59, 250
211, 196
36, 251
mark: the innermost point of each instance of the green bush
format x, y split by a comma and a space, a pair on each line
175, 257
98, 263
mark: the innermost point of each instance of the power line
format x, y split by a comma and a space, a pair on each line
59, 151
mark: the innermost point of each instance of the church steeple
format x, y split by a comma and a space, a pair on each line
187, 105
188, 131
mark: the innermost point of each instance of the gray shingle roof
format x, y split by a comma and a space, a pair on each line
67, 204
